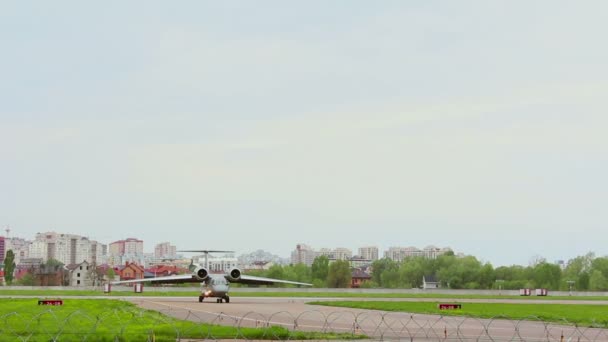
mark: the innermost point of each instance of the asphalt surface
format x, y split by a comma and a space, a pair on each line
295, 314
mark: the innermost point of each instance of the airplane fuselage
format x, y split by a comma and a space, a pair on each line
215, 286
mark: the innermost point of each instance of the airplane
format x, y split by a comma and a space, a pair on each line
212, 285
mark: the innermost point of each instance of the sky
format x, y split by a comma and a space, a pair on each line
245, 125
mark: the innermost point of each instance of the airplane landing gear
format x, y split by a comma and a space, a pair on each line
200, 299
219, 300
227, 299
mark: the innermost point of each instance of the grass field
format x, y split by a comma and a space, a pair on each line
582, 315
236, 293
113, 320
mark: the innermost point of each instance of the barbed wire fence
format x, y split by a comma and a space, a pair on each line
133, 324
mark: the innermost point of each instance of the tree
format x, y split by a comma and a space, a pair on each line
598, 282
302, 273
9, 266
276, 272
110, 274
600, 264
578, 271
380, 266
547, 275
339, 274
53, 263
26, 280
320, 270
410, 273
486, 276
95, 274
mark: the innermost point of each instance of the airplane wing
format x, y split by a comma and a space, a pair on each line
185, 278
252, 280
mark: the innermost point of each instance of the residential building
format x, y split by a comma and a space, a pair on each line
430, 282
128, 250
358, 277
252, 260
81, 274
400, 253
166, 270
368, 252
51, 275
127, 246
2, 249
20, 248
325, 252
342, 253
361, 263
131, 271
432, 252
165, 250
66, 248
303, 254
335, 254
396, 253
217, 264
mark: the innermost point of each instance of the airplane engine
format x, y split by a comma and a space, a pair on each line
201, 273
235, 274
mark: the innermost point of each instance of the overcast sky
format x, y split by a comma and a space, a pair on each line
479, 125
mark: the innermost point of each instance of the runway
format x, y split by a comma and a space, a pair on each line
294, 314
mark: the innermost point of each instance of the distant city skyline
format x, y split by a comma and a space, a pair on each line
479, 125
141, 248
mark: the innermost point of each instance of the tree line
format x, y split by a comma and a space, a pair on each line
583, 273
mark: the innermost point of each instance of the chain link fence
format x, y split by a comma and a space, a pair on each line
168, 325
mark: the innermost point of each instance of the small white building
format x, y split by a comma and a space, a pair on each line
80, 274
430, 282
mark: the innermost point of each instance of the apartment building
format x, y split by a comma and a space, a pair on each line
165, 250
20, 248
400, 253
303, 254
128, 250
218, 264
2, 249
66, 248
341, 253
368, 252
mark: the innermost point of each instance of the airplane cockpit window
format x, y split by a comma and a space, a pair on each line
218, 281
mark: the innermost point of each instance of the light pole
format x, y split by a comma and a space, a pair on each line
499, 282
570, 283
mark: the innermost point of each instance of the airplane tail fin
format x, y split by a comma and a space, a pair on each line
191, 267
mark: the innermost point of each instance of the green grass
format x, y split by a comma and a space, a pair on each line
113, 320
582, 315
405, 295
236, 293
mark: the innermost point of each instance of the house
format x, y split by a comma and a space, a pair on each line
359, 277
430, 282
131, 271
81, 274
165, 270
103, 271
51, 275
